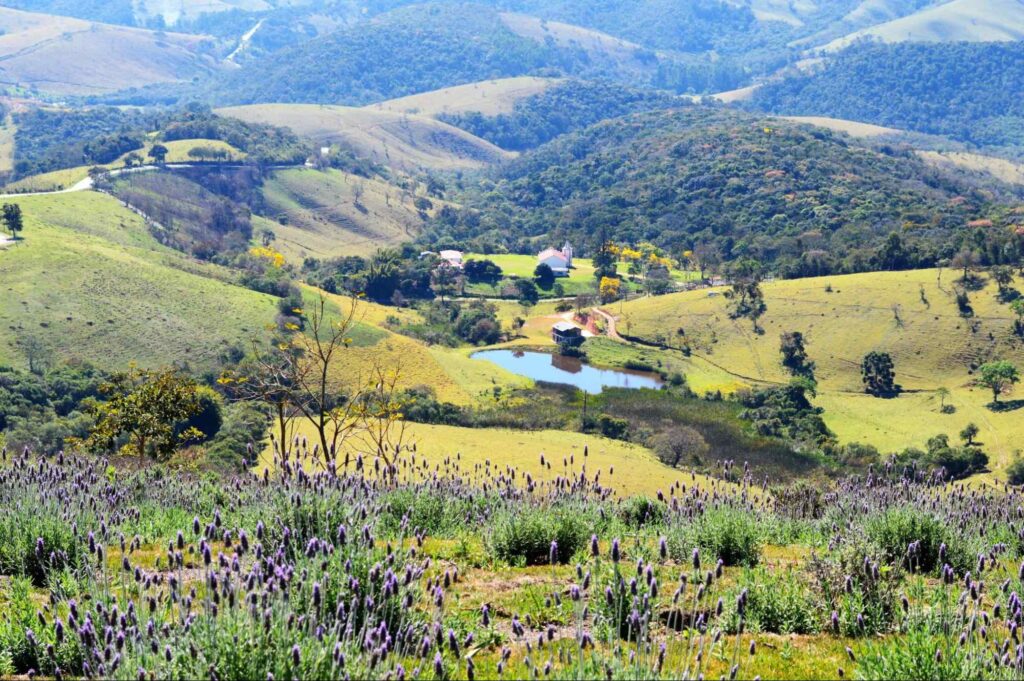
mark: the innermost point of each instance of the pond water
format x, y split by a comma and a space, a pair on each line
540, 366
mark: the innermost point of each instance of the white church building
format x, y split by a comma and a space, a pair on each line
560, 261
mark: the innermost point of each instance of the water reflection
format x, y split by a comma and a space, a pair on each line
541, 366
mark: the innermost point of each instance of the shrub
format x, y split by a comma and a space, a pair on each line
919, 655
894, 531
22, 554
638, 511
679, 445
725, 533
525, 537
776, 603
1015, 471
861, 592
639, 365
612, 427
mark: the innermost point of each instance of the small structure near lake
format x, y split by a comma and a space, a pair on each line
564, 333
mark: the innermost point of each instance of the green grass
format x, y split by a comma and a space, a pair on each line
580, 280
450, 372
931, 344
46, 182
90, 283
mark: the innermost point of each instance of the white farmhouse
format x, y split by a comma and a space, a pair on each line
453, 258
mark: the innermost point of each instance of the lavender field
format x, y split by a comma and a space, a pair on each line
400, 571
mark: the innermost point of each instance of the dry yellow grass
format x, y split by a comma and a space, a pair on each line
489, 97
453, 375
331, 213
46, 182
73, 57
852, 128
1000, 168
959, 20
628, 469
404, 141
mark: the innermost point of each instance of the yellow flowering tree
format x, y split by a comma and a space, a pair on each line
610, 289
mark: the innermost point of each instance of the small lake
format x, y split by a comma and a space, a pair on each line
553, 368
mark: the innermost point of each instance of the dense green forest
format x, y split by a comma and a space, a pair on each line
51, 139
967, 91
800, 197
564, 108
48, 139
406, 51
421, 48
263, 143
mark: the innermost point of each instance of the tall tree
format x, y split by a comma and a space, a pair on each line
794, 354
746, 294
966, 261
997, 377
12, 218
159, 154
879, 375
146, 407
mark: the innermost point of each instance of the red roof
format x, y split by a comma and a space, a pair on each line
552, 253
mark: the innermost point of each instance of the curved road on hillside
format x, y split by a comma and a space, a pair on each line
87, 183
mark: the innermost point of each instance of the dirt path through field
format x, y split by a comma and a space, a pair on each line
610, 330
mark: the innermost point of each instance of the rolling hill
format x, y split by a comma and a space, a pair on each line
955, 21
89, 282
65, 56
561, 108
912, 315
965, 91
404, 141
326, 214
489, 97
752, 186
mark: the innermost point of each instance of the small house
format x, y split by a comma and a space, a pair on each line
560, 261
564, 333
453, 258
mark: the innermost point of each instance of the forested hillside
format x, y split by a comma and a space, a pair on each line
566, 107
743, 185
407, 51
968, 91
48, 139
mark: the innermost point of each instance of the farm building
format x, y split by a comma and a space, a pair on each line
564, 333
453, 258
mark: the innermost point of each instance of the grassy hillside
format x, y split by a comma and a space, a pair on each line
911, 315
1000, 168
629, 469
399, 140
90, 283
750, 186
65, 56
450, 373
324, 214
489, 97
959, 20
7, 129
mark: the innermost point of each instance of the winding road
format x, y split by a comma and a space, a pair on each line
87, 183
